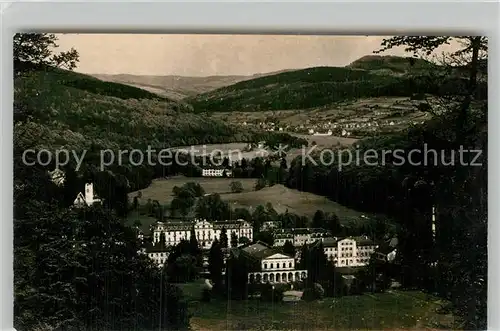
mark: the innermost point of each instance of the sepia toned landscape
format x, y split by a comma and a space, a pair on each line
203, 182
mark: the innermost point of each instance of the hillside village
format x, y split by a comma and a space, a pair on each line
265, 241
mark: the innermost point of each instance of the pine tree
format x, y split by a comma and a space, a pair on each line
289, 249
234, 240
223, 238
216, 264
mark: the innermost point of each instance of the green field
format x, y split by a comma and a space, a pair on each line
281, 197
161, 189
395, 310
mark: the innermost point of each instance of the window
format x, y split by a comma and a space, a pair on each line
272, 265
289, 264
277, 265
265, 265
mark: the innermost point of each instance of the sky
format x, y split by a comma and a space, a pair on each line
207, 55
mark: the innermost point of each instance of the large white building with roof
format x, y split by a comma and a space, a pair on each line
206, 232
349, 252
299, 236
269, 265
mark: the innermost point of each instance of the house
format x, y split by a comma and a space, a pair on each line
205, 231
267, 264
158, 254
216, 172
299, 236
88, 198
329, 133
349, 252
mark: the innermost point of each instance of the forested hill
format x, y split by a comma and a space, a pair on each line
59, 109
75, 110
368, 77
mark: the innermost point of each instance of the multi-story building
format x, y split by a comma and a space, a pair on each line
87, 198
205, 231
299, 236
216, 172
270, 265
159, 256
349, 252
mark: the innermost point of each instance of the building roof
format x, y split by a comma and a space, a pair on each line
360, 241
259, 250
363, 241
330, 242
187, 225
296, 231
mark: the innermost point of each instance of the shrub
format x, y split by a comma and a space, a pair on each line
270, 294
316, 292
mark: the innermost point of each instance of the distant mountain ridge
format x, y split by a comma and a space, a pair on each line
179, 87
371, 76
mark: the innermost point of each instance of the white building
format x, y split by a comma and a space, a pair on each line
299, 236
329, 133
88, 198
205, 231
349, 252
270, 265
216, 172
159, 257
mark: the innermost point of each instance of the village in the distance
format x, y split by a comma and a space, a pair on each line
321, 198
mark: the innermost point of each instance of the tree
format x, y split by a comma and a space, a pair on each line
316, 264
457, 192
236, 187
237, 277
259, 216
223, 238
234, 240
195, 249
92, 255
213, 208
474, 49
260, 184
332, 223
289, 249
38, 49
242, 213
318, 219
243, 240
216, 264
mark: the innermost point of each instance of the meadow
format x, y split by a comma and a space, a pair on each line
393, 310
281, 197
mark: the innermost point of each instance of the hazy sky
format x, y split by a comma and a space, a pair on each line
205, 55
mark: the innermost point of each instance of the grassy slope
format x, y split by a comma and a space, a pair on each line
75, 110
282, 198
396, 310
